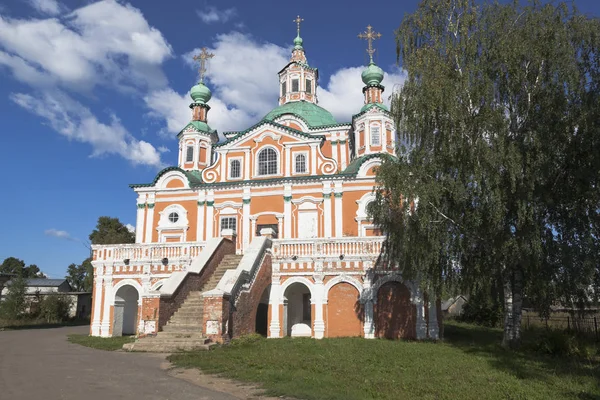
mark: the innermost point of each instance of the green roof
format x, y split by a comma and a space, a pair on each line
199, 125
371, 105
231, 136
354, 166
312, 114
194, 177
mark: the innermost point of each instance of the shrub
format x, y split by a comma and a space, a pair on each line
482, 310
55, 308
13, 305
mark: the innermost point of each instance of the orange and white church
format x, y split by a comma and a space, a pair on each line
263, 230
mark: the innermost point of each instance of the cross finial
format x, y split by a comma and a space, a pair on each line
297, 21
202, 58
369, 36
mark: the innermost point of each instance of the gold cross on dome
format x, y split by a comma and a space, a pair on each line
202, 58
297, 21
369, 36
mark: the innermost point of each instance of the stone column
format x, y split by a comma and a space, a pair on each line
318, 301
139, 221
108, 295
288, 161
369, 326
98, 281
150, 218
253, 220
210, 201
327, 208
313, 159
343, 148
246, 218
338, 192
274, 304
287, 211
247, 164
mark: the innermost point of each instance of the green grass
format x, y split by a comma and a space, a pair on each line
10, 325
469, 364
111, 344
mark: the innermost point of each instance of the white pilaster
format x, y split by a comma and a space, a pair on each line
338, 192
313, 159
210, 201
369, 326
139, 221
318, 301
108, 295
150, 218
246, 218
98, 281
274, 303
343, 150
287, 211
200, 217
247, 164
253, 220
327, 208
288, 161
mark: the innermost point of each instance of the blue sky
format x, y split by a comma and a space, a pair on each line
93, 93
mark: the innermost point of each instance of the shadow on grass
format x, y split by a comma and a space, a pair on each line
524, 363
21, 325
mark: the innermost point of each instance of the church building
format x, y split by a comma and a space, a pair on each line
263, 230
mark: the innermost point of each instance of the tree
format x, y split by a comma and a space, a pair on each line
15, 266
497, 181
111, 231
13, 305
81, 276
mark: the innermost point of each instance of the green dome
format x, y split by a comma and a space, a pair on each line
298, 42
200, 93
311, 113
372, 75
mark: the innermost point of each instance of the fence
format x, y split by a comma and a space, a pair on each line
586, 325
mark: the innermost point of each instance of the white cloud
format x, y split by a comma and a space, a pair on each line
130, 228
71, 119
104, 43
212, 14
50, 7
60, 234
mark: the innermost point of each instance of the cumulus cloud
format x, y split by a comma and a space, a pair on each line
76, 122
60, 234
50, 7
212, 14
241, 96
101, 43
130, 228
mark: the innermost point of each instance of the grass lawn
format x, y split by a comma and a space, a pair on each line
111, 344
470, 364
37, 324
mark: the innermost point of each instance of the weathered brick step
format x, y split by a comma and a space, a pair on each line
181, 335
181, 328
191, 307
195, 320
170, 340
165, 347
184, 314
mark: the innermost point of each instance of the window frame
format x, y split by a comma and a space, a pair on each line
308, 85
371, 136
283, 88
189, 151
296, 83
229, 218
306, 164
230, 169
277, 162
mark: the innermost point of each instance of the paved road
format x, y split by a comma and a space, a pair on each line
41, 364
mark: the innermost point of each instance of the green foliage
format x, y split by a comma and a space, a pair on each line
563, 344
248, 339
111, 231
100, 343
15, 266
498, 177
81, 276
482, 309
13, 305
54, 308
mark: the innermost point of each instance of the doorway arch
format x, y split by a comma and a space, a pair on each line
261, 322
298, 313
125, 311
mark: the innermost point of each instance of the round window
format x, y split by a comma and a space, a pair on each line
173, 217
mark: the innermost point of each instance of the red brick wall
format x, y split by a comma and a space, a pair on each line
216, 309
243, 318
193, 282
395, 315
342, 317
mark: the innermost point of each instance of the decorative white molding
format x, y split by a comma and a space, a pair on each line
267, 134
125, 282
342, 279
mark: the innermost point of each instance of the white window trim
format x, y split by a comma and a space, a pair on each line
222, 217
185, 156
306, 166
278, 173
241, 161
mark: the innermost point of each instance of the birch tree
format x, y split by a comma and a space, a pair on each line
496, 182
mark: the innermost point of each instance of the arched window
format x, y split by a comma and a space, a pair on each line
267, 162
300, 164
235, 169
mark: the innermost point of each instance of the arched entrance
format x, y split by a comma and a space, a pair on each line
125, 311
262, 313
297, 310
395, 315
342, 311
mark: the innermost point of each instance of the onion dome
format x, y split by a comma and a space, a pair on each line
200, 93
298, 42
372, 75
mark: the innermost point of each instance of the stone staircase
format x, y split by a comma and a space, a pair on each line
183, 331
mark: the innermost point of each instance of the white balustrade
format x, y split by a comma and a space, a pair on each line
147, 252
346, 248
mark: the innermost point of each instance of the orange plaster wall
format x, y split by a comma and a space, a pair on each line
349, 208
191, 207
260, 204
175, 183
